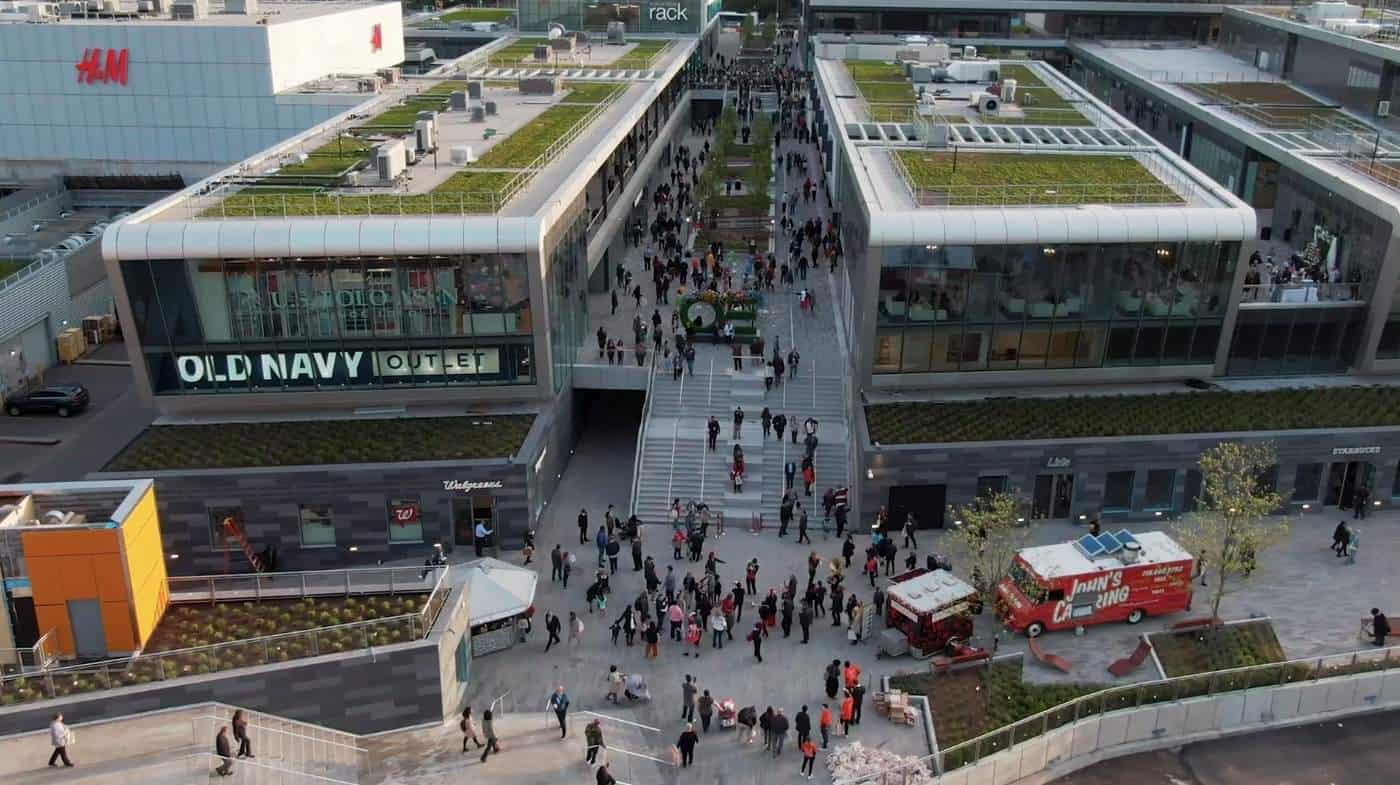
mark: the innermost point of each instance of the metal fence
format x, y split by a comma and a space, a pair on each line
1132, 696
37, 657
1291, 293
204, 767
290, 585
286, 744
214, 658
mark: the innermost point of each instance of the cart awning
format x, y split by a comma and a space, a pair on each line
498, 590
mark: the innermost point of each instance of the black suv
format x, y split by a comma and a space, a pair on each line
61, 399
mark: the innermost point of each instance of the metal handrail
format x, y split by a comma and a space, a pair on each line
641, 435
32, 202
112, 673
305, 583
209, 761
38, 656
261, 728
1071, 710
311, 729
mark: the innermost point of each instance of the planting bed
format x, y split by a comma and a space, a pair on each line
995, 178
969, 703
478, 15
228, 445
1132, 415
1202, 650
590, 92
192, 626
1045, 107
522, 147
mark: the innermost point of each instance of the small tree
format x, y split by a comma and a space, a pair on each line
991, 532
1234, 519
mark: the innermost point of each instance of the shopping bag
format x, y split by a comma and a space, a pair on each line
675, 755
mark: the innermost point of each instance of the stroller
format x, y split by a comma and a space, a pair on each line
636, 688
728, 713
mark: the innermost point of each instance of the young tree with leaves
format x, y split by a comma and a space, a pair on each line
992, 531
1234, 520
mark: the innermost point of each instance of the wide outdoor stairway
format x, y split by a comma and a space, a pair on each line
675, 464
175, 747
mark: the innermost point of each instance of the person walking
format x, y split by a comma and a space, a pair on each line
637, 550
686, 744
824, 725
593, 738
551, 626
556, 564
688, 690
652, 636
575, 629
1341, 537
909, 531
481, 537
569, 560
559, 703
802, 525
604, 777
718, 627
240, 734
738, 421
488, 729
833, 678
804, 620
756, 637
469, 730
1380, 627
706, 704
809, 757
712, 432
614, 548
765, 722
848, 712
766, 420
848, 549
858, 701
779, 728
60, 737
1359, 499
223, 749
802, 723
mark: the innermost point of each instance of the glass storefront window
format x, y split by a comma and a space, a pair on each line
961, 308
405, 519
317, 526
1307, 482
1118, 492
1161, 485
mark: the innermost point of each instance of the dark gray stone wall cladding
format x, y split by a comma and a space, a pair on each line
958, 465
357, 692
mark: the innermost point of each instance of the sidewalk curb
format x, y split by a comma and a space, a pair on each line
46, 441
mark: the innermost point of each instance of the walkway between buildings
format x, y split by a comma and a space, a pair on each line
674, 462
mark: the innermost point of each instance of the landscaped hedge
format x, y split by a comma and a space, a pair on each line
317, 442
1133, 415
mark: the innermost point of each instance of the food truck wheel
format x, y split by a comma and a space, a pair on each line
1034, 629
1137, 615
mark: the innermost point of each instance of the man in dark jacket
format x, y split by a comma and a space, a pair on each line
637, 552
804, 620
583, 527
803, 723
1380, 626
224, 749
687, 741
551, 626
779, 728
556, 562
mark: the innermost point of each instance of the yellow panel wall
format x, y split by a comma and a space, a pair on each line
83, 564
145, 565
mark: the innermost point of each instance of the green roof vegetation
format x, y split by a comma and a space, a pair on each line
522, 52
521, 148
1041, 104
318, 442
1031, 178
478, 15
1275, 105
9, 266
591, 92
1081, 417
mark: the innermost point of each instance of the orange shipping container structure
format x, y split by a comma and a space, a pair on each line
93, 560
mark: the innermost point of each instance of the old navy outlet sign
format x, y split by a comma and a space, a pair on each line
334, 368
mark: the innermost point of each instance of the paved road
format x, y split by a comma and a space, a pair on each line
1359, 751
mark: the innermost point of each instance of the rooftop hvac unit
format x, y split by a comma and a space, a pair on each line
390, 160
921, 74
458, 100
986, 103
939, 52
145, 7
427, 114
392, 75
542, 53
61, 518
969, 52
425, 135
490, 108
477, 114
617, 32
475, 89
539, 85
462, 155
1008, 90
243, 7
190, 9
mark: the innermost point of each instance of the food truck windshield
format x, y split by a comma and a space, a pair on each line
1027, 583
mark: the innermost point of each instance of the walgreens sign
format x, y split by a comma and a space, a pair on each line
103, 66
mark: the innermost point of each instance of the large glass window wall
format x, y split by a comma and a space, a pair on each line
997, 308
1302, 340
243, 325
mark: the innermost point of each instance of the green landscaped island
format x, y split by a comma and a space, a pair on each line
1032, 178
1079, 417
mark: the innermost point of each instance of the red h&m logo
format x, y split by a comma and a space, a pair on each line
376, 39
94, 68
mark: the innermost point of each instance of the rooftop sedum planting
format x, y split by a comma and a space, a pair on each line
1032, 178
1078, 417
316, 442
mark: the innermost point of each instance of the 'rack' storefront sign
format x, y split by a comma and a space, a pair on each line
304, 369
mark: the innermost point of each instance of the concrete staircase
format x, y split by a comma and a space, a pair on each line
675, 464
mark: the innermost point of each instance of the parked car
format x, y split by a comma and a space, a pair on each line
60, 399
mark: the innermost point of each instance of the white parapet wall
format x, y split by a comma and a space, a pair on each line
1084, 742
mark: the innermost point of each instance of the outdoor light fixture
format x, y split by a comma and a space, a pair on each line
1376, 503
870, 475
174, 556
354, 549
957, 523
1020, 520
1307, 506
1158, 513
1083, 517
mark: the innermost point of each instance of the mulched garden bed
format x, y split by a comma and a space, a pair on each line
1200, 650
189, 626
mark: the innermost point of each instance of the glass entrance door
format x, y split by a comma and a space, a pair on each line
462, 522
1344, 478
1053, 498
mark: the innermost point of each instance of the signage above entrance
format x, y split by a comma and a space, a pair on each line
1356, 450
355, 367
1057, 462
467, 486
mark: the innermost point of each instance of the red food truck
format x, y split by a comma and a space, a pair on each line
931, 609
1118, 576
